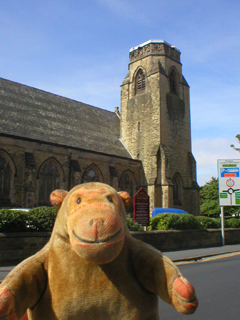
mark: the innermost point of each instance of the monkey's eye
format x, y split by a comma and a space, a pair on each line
78, 200
109, 198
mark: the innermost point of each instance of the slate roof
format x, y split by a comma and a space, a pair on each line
30, 113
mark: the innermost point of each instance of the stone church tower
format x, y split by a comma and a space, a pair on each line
155, 125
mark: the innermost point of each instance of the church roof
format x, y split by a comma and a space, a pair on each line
29, 113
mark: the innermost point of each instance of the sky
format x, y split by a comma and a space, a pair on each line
79, 49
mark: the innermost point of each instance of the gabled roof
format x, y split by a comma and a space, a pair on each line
30, 113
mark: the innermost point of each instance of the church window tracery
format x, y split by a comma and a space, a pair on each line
173, 81
140, 81
127, 183
92, 174
49, 180
6, 178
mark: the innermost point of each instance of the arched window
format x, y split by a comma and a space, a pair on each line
173, 81
140, 81
128, 183
177, 189
49, 180
6, 178
92, 174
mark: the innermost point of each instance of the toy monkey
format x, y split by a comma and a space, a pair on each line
92, 268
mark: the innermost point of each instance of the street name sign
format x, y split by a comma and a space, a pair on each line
229, 182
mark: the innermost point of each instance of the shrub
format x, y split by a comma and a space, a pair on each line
37, 219
133, 226
12, 221
208, 223
232, 223
171, 221
41, 218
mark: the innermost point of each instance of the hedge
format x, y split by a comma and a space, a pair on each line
208, 223
133, 226
39, 219
43, 218
168, 221
171, 221
12, 221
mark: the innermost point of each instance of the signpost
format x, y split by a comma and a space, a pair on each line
141, 207
229, 186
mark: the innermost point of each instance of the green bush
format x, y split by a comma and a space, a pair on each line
232, 223
208, 223
41, 218
37, 219
133, 226
171, 221
12, 221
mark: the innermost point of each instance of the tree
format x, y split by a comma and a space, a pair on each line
232, 145
209, 201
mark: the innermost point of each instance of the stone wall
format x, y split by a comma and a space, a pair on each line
173, 240
14, 247
25, 178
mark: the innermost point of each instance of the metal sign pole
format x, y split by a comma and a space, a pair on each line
222, 226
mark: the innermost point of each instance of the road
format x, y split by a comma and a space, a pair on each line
217, 284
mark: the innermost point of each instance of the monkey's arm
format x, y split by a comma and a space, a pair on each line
22, 288
159, 275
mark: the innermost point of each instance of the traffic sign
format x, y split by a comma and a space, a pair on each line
229, 182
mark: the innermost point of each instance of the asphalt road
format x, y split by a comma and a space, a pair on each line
217, 285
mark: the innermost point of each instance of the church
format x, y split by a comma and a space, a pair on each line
50, 142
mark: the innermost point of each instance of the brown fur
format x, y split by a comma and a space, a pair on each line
92, 268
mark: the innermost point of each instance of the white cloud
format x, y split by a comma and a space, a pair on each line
207, 152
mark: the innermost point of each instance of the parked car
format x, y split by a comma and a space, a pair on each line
166, 210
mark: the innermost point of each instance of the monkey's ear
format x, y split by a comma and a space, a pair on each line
57, 197
126, 198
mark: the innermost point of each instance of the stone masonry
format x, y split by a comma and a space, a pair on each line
48, 141
155, 125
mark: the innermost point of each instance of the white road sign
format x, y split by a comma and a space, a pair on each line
229, 182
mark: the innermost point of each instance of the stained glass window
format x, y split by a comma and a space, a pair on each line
173, 81
49, 180
140, 81
127, 183
92, 174
5, 178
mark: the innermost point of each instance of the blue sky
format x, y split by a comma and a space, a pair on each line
79, 49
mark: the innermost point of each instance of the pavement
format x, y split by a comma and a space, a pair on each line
201, 253
181, 256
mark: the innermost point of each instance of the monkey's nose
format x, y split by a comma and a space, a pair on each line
98, 222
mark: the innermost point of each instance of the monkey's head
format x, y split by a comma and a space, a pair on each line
93, 216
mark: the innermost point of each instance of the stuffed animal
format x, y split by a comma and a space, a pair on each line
92, 268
